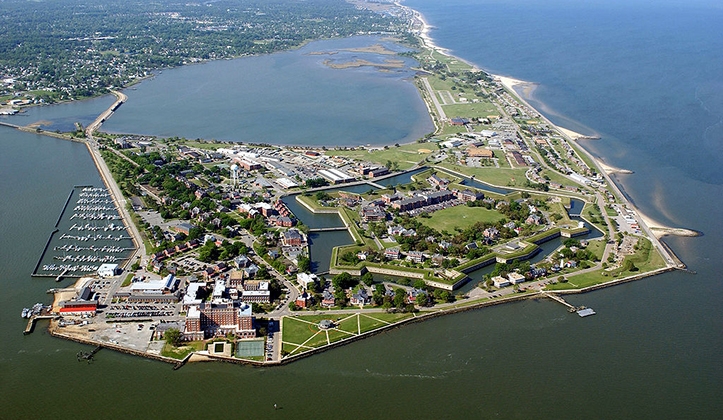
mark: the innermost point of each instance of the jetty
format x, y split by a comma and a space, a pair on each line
87, 356
63, 273
33, 319
580, 310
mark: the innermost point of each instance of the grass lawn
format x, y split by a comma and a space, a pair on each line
310, 201
502, 177
448, 130
127, 281
349, 325
406, 155
556, 177
645, 259
319, 340
469, 110
390, 317
335, 335
182, 351
597, 248
610, 211
460, 216
296, 331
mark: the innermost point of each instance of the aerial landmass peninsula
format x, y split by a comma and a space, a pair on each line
222, 269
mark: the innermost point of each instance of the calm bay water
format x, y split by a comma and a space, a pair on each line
645, 78
284, 98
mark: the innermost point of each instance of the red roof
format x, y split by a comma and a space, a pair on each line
83, 308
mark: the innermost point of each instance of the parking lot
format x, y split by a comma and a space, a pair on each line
146, 310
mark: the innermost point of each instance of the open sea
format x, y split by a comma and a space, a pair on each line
647, 77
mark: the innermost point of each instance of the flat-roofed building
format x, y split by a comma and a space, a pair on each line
211, 319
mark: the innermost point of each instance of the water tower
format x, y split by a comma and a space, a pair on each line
234, 175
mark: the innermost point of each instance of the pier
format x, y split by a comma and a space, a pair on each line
580, 310
60, 276
33, 319
84, 246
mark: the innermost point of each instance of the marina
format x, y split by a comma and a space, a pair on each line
77, 248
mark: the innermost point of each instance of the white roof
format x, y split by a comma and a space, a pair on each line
193, 312
219, 288
256, 293
191, 291
245, 310
153, 285
286, 183
305, 278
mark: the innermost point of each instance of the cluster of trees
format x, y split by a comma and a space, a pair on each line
209, 252
316, 182
580, 255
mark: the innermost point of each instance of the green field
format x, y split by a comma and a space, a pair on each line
460, 216
302, 333
182, 351
470, 110
406, 155
645, 259
502, 177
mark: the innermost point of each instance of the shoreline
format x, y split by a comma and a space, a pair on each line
653, 229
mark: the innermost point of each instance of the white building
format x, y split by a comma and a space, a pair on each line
305, 279
108, 270
500, 281
516, 278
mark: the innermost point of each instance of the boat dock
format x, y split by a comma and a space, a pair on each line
31, 322
60, 276
94, 239
580, 310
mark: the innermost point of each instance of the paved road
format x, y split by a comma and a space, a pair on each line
112, 186
433, 97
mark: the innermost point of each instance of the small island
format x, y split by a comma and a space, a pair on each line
221, 267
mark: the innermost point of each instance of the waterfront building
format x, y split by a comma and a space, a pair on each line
516, 278
391, 253
108, 270
434, 180
469, 195
500, 281
293, 237
209, 320
415, 256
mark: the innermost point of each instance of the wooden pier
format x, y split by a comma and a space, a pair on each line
580, 310
31, 322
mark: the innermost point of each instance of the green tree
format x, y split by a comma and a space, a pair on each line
400, 296
368, 278
173, 337
304, 263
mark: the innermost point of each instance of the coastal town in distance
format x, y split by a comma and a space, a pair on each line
217, 264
